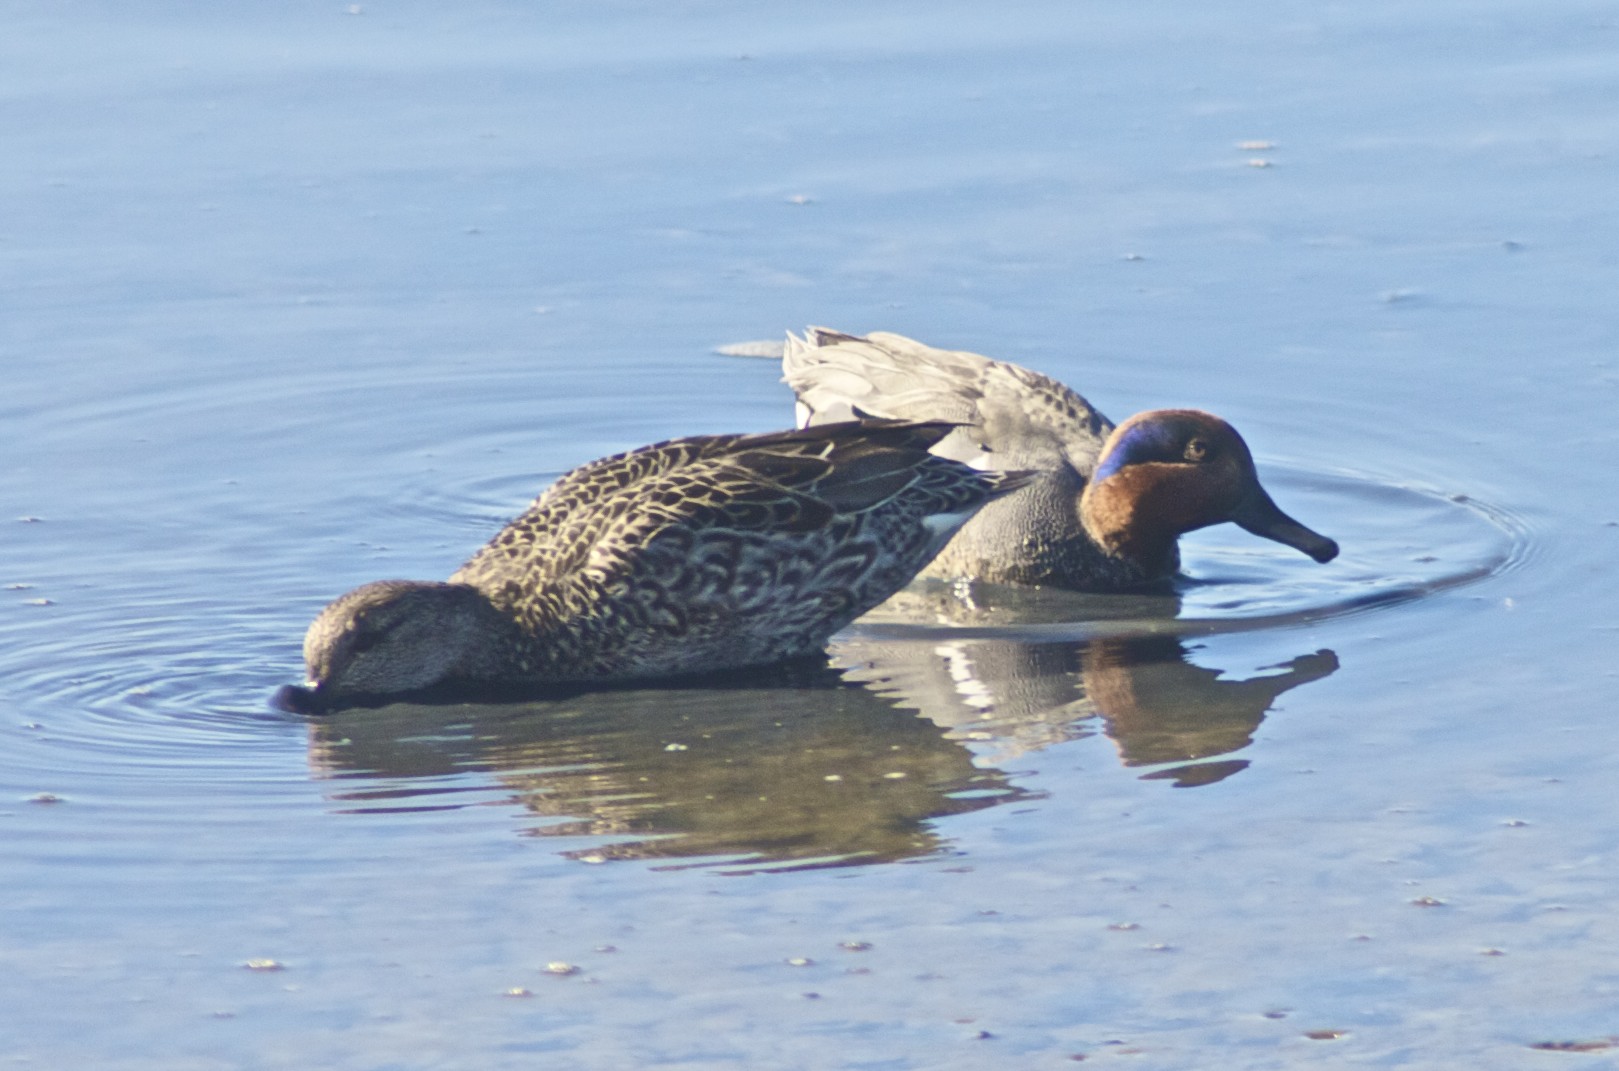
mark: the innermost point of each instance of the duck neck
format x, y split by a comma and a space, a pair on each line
1118, 517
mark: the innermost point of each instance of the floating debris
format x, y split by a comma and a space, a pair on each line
800, 961
1592, 1045
855, 946
518, 991
561, 969
1428, 901
264, 965
770, 348
46, 797
1256, 146
1325, 1035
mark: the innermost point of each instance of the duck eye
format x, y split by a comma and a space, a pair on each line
1196, 450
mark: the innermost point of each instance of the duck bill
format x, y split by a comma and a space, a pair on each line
300, 699
1263, 517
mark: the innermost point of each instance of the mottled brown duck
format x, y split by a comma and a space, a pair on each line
696, 555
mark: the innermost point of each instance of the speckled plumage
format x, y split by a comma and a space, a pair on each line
694, 555
1064, 528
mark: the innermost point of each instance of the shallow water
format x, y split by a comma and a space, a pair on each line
292, 299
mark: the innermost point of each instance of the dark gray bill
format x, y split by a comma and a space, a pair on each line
1262, 517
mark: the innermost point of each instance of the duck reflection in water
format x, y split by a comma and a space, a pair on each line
1009, 670
1144, 693
787, 768
808, 766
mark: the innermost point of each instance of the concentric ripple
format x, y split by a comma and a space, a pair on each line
1401, 542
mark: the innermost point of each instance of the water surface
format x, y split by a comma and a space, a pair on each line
293, 299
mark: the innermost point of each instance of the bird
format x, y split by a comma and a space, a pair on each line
1107, 504
691, 556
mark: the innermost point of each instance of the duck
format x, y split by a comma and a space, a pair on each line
691, 556
1107, 503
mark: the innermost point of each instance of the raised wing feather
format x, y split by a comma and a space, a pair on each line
1010, 417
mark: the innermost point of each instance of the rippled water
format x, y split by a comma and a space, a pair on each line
292, 300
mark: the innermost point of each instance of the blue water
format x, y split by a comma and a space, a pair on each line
297, 297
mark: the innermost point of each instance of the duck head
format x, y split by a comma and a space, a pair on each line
395, 636
1170, 471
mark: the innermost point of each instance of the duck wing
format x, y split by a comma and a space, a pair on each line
559, 527
1010, 417
858, 467
793, 482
